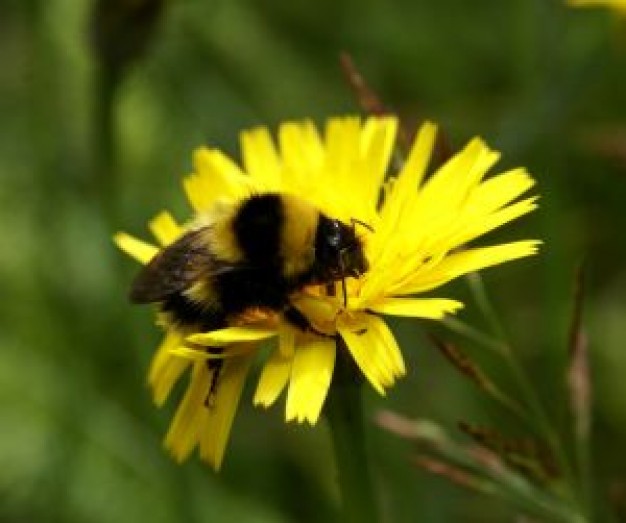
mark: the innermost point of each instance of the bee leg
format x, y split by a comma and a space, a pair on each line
299, 320
214, 366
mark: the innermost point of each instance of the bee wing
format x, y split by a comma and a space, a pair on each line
174, 269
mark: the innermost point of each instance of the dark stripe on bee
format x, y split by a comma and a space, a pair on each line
189, 312
251, 287
257, 227
258, 280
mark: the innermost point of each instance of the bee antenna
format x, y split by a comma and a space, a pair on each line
356, 221
343, 285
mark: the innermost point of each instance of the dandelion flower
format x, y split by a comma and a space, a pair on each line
421, 227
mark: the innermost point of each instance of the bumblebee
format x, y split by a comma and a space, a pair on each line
253, 254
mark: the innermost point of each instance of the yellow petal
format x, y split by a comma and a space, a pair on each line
410, 177
467, 261
311, 373
166, 368
142, 251
432, 308
286, 340
482, 225
302, 154
185, 353
449, 185
260, 159
359, 343
429, 214
195, 354
214, 429
414, 168
207, 421
377, 143
388, 344
274, 378
341, 139
199, 192
165, 228
216, 177
381, 361
484, 210
222, 337
182, 435
319, 309
374, 349
500, 190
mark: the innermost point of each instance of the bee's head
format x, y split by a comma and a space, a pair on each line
338, 251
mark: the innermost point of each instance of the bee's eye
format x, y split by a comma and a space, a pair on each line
334, 235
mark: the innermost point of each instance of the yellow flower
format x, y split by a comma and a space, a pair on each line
618, 5
420, 227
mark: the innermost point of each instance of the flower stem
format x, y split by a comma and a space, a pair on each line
345, 416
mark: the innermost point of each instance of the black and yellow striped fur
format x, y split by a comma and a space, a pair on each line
253, 254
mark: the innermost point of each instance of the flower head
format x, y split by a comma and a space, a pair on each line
415, 229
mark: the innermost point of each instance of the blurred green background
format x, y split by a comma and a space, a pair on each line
79, 437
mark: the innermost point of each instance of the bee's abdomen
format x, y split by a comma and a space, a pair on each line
187, 312
250, 288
